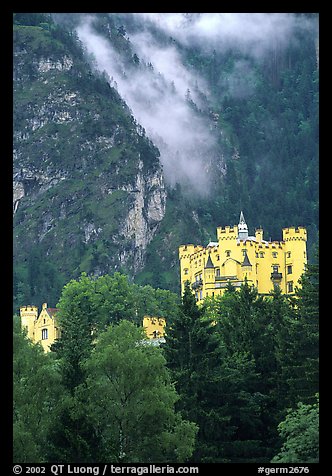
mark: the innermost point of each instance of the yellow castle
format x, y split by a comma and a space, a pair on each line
236, 256
44, 329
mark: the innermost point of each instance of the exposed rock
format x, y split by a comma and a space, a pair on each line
146, 213
45, 65
88, 183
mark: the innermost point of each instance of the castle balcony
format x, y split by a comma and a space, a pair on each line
276, 277
226, 278
197, 284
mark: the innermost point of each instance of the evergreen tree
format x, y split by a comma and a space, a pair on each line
216, 387
246, 328
301, 340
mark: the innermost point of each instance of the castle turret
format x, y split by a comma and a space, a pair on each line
242, 228
29, 315
295, 255
259, 235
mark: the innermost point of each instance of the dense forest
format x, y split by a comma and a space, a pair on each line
236, 380
250, 142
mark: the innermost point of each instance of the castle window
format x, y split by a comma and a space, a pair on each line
261, 254
289, 254
290, 287
217, 272
44, 334
218, 257
228, 253
289, 269
186, 271
44, 321
274, 254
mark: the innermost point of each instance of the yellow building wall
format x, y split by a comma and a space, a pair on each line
46, 329
42, 329
29, 315
284, 261
154, 327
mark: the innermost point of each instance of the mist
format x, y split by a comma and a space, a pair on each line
254, 33
165, 97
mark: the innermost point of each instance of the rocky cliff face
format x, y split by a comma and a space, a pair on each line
88, 189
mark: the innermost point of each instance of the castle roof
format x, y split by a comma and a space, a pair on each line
52, 311
246, 261
209, 263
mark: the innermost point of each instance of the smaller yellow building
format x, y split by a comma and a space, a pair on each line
154, 327
43, 328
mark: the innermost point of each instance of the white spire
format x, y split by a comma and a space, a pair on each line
242, 228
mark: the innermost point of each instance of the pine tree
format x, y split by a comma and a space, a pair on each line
216, 387
191, 352
301, 340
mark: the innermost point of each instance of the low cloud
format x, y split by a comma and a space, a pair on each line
165, 96
159, 98
254, 33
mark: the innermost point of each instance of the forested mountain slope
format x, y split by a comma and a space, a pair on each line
88, 186
134, 134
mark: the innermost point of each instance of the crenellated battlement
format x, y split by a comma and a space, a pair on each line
270, 244
186, 251
29, 311
229, 232
292, 233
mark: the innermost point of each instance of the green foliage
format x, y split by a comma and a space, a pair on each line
301, 340
216, 391
90, 304
300, 434
36, 390
131, 401
237, 382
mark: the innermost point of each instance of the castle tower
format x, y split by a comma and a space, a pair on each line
242, 228
29, 315
295, 255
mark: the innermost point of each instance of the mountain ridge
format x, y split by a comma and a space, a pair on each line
83, 159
